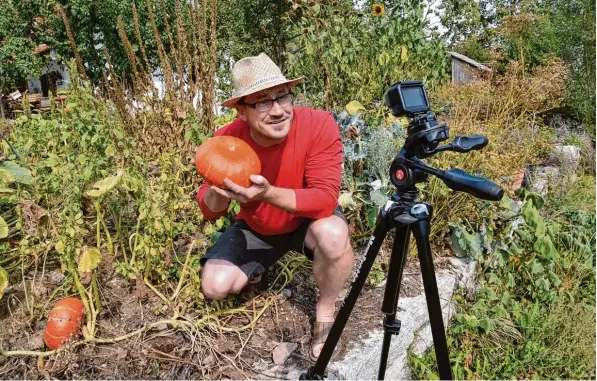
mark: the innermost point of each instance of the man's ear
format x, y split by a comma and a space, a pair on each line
241, 112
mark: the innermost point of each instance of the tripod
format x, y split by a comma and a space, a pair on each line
407, 216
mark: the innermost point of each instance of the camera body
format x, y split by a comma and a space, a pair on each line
424, 133
407, 98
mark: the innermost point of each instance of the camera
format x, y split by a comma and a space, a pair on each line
407, 98
424, 133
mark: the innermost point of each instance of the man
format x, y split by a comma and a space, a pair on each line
291, 205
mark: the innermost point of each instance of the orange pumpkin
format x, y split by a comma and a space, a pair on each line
64, 322
222, 157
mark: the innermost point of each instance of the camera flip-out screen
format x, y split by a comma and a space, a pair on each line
413, 97
407, 98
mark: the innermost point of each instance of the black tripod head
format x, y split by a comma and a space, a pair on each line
423, 137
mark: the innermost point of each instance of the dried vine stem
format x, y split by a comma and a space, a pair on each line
184, 323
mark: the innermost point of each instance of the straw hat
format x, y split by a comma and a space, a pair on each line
253, 74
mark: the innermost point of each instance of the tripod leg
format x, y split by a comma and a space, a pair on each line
317, 371
421, 231
390, 300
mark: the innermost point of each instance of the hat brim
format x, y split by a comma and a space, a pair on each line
231, 102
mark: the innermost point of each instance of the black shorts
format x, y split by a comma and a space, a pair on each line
254, 253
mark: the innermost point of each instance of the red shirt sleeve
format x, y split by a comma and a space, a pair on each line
323, 173
208, 213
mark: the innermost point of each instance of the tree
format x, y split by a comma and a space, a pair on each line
22, 30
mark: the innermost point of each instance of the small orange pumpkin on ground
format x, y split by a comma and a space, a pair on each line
222, 157
64, 322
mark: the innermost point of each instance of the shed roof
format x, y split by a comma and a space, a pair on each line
469, 61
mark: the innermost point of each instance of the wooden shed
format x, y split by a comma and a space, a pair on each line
465, 69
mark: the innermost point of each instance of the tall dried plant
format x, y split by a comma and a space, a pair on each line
137, 80
139, 39
71, 40
163, 56
188, 64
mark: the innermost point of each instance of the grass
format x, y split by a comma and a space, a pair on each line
579, 195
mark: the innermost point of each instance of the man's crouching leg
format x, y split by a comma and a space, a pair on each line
220, 278
333, 258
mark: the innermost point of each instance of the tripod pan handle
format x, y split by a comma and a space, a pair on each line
459, 180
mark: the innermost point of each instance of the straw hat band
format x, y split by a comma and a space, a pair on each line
263, 81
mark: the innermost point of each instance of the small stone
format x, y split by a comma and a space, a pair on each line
287, 293
55, 277
282, 352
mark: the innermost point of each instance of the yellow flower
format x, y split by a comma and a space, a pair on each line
378, 10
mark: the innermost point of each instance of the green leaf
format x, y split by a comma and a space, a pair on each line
89, 259
59, 246
219, 223
554, 278
487, 324
516, 248
524, 235
403, 54
487, 293
3, 281
545, 248
542, 284
383, 59
4, 190
499, 310
471, 321
3, 228
309, 49
535, 267
103, 186
354, 107
110, 150
213, 237
493, 279
378, 198
510, 280
506, 299
372, 216
533, 219
465, 244
525, 194
504, 255
12, 173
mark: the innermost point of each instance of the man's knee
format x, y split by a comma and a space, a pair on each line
220, 278
331, 237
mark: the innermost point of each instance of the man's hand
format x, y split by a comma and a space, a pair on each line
256, 192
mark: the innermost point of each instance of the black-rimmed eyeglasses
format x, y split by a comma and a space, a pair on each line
266, 105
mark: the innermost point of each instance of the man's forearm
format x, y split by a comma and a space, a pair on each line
283, 198
215, 202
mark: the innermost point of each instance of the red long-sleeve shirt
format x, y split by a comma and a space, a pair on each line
309, 162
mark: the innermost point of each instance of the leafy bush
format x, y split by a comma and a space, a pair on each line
536, 276
369, 149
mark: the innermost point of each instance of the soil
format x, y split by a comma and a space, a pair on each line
168, 353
